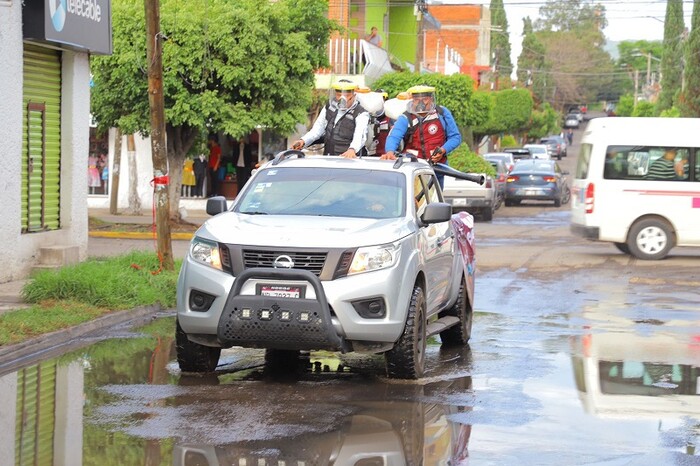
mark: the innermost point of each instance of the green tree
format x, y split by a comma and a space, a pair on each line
673, 55
532, 67
500, 43
570, 15
228, 66
511, 110
689, 101
543, 123
639, 55
582, 68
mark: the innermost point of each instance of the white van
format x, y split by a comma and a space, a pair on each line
623, 375
637, 184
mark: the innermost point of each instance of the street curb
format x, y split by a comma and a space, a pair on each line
36, 349
136, 235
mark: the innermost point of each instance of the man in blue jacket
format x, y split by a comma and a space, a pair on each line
426, 129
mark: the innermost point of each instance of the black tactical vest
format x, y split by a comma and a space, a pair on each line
339, 135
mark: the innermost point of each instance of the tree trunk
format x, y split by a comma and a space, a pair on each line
116, 165
180, 140
134, 199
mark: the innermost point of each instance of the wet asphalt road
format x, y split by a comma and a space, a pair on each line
580, 355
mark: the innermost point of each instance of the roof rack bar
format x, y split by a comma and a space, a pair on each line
285, 154
402, 158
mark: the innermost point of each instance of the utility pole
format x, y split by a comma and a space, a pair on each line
494, 70
154, 56
648, 68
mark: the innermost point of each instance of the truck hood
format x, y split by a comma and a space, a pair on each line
303, 231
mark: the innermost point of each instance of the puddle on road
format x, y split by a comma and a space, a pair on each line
554, 376
548, 218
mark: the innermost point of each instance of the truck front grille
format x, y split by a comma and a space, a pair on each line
311, 261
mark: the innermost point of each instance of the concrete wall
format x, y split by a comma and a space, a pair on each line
19, 251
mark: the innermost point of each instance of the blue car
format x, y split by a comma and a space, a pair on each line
537, 180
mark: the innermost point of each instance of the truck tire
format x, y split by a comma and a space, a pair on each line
487, 214
650, 239
459, 334
406, 360
193, 357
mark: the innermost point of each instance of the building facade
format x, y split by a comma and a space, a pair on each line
45, 103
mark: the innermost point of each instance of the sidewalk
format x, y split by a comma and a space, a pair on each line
11, 292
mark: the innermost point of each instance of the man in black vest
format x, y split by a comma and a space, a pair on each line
342, 124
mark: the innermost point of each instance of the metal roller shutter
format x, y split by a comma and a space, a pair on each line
41, 139
36, 415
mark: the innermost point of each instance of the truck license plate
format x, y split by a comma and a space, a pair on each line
280, 291
459, 201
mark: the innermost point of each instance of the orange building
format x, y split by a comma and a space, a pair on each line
465, 29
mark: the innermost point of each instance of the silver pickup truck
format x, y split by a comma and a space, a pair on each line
328, 253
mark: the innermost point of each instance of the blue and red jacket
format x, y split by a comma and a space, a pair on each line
438, 128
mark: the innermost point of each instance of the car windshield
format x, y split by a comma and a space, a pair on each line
336, 192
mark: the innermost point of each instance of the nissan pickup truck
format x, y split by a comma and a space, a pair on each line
328, 253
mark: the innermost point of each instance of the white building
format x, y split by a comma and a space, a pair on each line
45, 104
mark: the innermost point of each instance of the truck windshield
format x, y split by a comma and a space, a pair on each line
336, 192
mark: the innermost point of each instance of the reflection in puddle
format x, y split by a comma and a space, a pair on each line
123, 398
625, 392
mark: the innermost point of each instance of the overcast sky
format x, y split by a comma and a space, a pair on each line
627, 19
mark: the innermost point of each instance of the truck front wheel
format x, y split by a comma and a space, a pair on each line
193, 357
406, 360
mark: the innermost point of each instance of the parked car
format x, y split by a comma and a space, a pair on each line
556, 145
577, 112
538, 151
518, 153
465, 196
320, 254
537, 180
505, 157
500, 180
571, 121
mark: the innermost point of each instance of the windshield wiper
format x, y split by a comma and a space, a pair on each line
255, 213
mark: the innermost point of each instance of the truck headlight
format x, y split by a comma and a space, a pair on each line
373, 258
206, 252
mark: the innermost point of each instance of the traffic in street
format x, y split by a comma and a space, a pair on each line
579, 355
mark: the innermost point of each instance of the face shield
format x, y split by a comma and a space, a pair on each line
341, 98
422, 103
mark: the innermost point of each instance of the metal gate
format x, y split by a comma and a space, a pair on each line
41, 141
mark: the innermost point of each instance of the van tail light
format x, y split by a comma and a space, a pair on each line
590, 195
550, 179
512, 178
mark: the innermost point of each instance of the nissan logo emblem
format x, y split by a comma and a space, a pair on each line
283, 262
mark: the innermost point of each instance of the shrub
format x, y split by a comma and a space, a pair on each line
464, 160
508, 141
